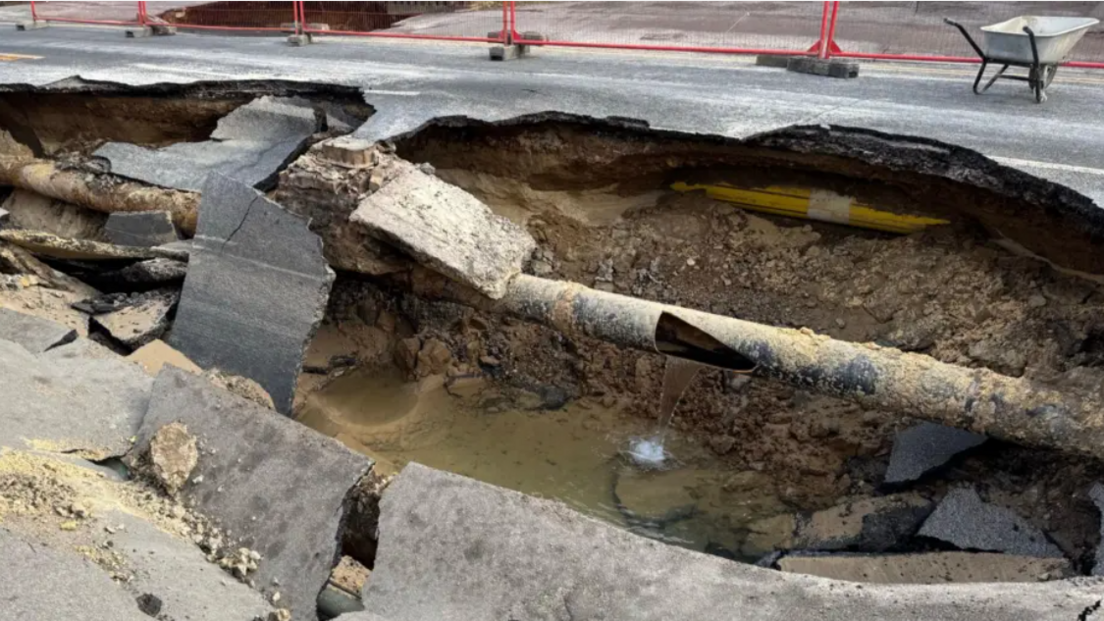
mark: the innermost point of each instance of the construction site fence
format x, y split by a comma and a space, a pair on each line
910, 31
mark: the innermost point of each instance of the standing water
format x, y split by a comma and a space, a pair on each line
575, 454
677, 375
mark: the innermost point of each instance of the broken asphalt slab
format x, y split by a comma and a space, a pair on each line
49, 245
925, 447
142, 321
44, 584
138, 276
447, 230
455, 549
67, 401
277, 487
255, 292
251, 144
34, 334
140, 228
964, 521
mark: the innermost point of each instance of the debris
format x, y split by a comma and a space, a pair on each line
256, 272
140, 228
967, 523
143, 319
36, 212
5, 217
928, 568
284, 485
447, 230
455, 548
156, 354
173, 456
149, 604
16, 260
251, 144
1097, 496
110, 394
65, 248
140, 275
32, 333
241, 386
925, 447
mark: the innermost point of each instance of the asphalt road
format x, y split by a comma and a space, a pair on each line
410, 83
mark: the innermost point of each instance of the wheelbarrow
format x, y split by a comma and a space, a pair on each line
1038, 43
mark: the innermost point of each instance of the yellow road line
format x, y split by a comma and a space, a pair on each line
4, 57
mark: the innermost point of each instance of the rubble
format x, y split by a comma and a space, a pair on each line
452, 548
964, 521
18, 261
925, 447
279, 487
173, 456
49, 245
32, 333
256, 272
142, 320
140, 228
251, 144
1096, 494
447, 230
36, 212
928, 568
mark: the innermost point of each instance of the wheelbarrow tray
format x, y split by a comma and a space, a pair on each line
1054, 38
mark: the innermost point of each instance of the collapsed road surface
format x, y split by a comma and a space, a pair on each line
522, 283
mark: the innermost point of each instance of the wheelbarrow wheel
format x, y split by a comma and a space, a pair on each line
1040, 91
1050, 71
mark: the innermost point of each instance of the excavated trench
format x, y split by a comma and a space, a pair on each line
1000, 272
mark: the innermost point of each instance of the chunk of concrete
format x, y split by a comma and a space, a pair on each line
140, 228
278, 487
257, 273
251, 144
66, 401
454, 549
64, 248
1097, 496
34, 334
139, 323
42, 584
447, 230
967, 523
928, 568
156, 354
173, 456
925, 447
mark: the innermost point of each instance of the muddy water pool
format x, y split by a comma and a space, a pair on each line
575, 454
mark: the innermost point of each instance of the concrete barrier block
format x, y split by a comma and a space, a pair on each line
832, 68
31, 26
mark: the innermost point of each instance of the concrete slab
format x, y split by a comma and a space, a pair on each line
447, 230
65, 401
141, 322
454, 549
34, 334
140, 228
250, 144
925, 447
967, 523
43, 584
1097, 496
278, 487
929, 567
256, 272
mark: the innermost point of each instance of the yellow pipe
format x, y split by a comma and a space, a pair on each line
822, 205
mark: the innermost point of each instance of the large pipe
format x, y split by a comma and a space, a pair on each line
1013, 409
99, 193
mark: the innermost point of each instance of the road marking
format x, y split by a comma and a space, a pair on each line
1011, 161
10, 57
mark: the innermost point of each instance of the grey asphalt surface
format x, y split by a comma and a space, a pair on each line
411, 82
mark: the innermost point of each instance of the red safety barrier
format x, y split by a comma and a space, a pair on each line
443, 21
256, 16
105, 13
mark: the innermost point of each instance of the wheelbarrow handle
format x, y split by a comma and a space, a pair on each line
1034, 50
951, 22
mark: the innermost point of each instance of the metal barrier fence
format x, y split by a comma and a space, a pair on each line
911, 31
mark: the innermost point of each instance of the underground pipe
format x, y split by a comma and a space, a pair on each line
98, 193
1012, 409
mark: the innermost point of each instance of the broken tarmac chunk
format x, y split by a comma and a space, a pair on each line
140, 228
140, 275
454, 549
447, 230
251, 144
142, 321
928, 567
925, 447
256, 289
967, 523
34, 334
173, 456
69, 402
50, 245
279, 487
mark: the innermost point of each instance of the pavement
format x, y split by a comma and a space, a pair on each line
412, 82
